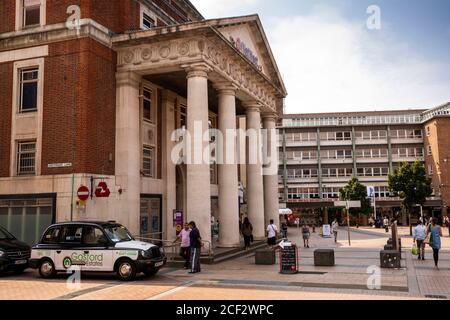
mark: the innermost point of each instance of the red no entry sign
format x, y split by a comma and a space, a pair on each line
83, 193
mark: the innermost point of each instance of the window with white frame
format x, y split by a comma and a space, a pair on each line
428, 131
148, 18
148, 161
28, 89
430, 151
31, 13
430, 169
148, 112
147, 21
26, 158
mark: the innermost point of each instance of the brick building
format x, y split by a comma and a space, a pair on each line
320, 153
96, 99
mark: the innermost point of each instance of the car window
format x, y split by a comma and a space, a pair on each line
118, 233
5, 235
71, 234
94, 236
51, 236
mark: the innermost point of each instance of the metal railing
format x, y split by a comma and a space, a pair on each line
172, 248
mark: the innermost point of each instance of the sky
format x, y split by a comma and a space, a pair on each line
331, 61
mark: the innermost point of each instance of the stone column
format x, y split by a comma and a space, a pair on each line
198, 193
229, 235
271, 203
255, 189
168, 165
128, 149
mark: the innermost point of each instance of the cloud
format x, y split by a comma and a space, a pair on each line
332, 64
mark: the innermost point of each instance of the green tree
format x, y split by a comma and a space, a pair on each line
411, 183
356, 191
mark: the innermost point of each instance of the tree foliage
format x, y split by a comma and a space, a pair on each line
355, 191
411, 183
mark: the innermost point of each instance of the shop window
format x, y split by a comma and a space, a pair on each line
26, 158
28, 90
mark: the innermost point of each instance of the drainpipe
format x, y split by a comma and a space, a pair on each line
71, 197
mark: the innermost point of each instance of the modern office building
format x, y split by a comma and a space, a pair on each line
91, 93
320, 153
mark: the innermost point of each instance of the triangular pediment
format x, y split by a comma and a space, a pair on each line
247, 36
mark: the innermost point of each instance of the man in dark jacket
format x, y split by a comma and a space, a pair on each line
196, 246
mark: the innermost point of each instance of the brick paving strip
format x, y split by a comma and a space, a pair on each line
174, 290
79, 293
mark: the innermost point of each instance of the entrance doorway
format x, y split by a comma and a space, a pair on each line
151, 216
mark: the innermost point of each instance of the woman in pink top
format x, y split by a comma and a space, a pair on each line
185, 251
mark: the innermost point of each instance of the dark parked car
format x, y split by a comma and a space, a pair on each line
14, 254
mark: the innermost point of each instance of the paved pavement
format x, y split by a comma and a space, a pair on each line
243, 280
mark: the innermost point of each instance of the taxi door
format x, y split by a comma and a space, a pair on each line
70, 251
98, 252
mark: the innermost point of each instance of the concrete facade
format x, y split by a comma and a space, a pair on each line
320, 153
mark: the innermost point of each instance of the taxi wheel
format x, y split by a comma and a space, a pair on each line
151, 272
126, 270
47, 269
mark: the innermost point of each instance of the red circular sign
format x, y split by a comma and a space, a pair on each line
83, 193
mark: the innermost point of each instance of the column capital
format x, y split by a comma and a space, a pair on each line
197, 70
252, 105
128, 78
270, 116
226, 88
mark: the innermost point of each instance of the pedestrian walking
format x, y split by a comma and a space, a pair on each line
419, 236
306, 235
185, 248
447, 223
435, 233
386, 224
272, 231
247, 232
284, 230
334, 229
196, 246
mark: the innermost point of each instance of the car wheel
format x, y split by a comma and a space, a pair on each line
126, 270
151, 272
47, 269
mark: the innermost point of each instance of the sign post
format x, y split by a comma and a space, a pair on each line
347, 205
371, 194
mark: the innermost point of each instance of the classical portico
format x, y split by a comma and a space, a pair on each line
199, 68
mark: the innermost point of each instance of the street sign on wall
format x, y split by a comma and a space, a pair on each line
83, 193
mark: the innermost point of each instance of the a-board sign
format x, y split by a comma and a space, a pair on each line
326, 230
288, 258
